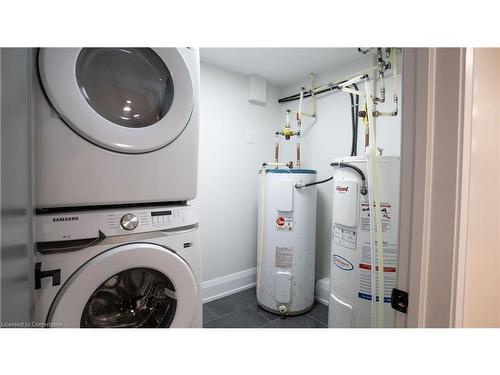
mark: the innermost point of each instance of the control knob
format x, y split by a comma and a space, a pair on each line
129, 222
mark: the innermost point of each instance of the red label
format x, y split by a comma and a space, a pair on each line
369, 267
280, 221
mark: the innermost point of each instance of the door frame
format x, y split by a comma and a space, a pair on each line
435, 118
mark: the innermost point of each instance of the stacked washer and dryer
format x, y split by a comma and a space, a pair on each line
116, 138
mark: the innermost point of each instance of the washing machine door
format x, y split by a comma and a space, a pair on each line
133, 285
130, 100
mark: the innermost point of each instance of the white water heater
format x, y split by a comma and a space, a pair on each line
286, 241
350, 302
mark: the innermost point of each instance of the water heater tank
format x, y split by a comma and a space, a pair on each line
350, 263
286, 241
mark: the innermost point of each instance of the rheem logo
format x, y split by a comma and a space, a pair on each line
342, 189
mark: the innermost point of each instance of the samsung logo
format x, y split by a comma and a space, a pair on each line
65, 218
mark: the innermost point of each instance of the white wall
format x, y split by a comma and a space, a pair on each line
228, 170
329, 137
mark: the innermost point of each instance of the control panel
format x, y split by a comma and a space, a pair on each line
167, 217
94, 224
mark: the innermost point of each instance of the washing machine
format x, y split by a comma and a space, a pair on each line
118, 268
115, 126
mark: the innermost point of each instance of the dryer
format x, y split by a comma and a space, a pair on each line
115, 126
129, 268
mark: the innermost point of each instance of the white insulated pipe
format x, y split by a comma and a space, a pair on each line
377, 261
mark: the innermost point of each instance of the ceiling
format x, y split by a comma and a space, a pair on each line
280, 66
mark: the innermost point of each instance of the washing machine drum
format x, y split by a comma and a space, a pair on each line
135, 285
130, 100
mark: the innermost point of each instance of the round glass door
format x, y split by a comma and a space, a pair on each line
135, 298
131, 87
131, 285
129, 100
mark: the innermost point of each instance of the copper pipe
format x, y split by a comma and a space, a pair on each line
298, 151
277, 150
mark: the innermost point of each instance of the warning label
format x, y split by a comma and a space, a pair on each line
386, 214
365, 271
344, 237
284, 221
284, 257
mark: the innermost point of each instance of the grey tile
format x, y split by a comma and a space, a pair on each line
244, 318
232, 303
301, 321
266, 314
319, 312
208, 315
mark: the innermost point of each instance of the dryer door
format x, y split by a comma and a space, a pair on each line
133, 285
130, 100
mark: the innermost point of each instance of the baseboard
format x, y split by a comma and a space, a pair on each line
227, 285
236, 282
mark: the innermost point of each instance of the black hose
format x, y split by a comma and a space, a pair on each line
354, 120
314, 183
341, 164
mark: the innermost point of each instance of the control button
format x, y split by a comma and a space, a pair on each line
129, 222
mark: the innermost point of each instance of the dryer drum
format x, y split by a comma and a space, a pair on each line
137, 297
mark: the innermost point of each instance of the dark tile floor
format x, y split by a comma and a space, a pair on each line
240, 310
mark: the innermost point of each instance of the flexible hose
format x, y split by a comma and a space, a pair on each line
298, 186
342, 164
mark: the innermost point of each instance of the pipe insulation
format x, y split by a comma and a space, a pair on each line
374, 202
